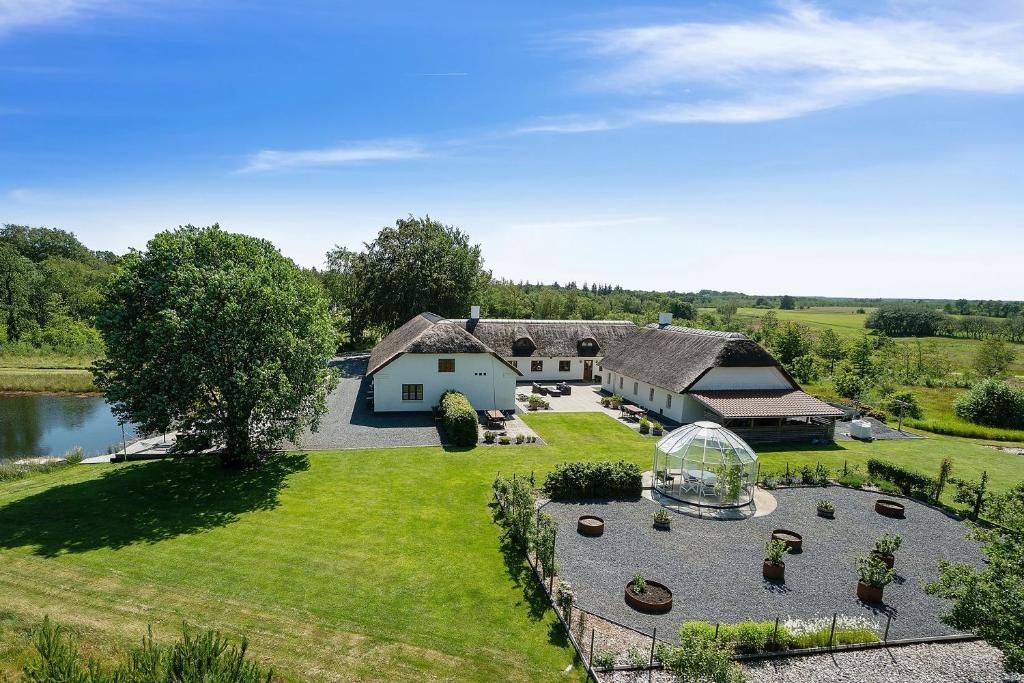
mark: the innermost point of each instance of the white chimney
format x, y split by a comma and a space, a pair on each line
664, 318
474, 312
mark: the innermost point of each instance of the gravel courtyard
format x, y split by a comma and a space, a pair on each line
714, 567
350, 424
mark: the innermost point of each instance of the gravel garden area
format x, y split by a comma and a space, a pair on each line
973, 662
713, 567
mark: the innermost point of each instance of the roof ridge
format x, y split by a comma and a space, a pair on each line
720, 334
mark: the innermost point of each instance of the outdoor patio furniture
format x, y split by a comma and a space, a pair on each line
554, 393
495, 419
565, 389
632, 412
538, 389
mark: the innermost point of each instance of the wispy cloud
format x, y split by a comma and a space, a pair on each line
19, 13
793, 62
362, 152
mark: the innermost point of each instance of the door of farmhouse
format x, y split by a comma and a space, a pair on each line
588, 370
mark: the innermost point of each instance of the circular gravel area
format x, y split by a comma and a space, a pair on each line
713, 567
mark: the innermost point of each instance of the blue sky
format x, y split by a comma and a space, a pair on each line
768, 147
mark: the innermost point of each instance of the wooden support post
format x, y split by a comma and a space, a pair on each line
650, 663
832, 633
591, 657
885, 638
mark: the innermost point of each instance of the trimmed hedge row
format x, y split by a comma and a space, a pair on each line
582, 480
458, 418
909, 482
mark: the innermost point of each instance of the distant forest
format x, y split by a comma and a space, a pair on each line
51, 289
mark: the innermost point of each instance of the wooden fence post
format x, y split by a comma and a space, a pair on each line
832, 633
650, 663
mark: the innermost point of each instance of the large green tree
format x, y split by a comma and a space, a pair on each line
18, 283
990, 601
219, 336
420, 265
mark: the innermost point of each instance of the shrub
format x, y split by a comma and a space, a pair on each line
768, 482
605, 659
905, 400
459, 419
504, 440
873, 572
662, 516
580, 480
775, 550
854, 479
543, 543
888, 544
826, 506
849, 385
908, 482
638, 584
806, 475
74, 456
636, 658
993, 403
490, 436
657, 426
565, 597
514, 509
198, 656
699, 657
822, 475
520, 438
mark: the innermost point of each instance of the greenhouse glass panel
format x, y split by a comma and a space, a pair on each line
705, 464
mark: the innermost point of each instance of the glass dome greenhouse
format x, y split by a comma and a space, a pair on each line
705, 464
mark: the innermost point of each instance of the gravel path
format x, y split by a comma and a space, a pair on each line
350, 424
880, 430
974, 662
714, 567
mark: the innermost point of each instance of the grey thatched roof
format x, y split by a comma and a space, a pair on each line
767, 403
674, 358
548, 338
425, 333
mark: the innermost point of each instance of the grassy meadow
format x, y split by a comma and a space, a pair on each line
45, 372
338, 566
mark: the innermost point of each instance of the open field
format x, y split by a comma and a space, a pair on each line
354, 565
46, 380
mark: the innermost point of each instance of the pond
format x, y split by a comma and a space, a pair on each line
50, 425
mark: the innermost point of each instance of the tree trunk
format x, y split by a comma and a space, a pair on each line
238, 450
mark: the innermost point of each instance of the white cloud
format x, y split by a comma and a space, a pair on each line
276, 160
18, 13
796, 61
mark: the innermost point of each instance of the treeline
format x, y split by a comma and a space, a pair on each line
50, 290
922, 321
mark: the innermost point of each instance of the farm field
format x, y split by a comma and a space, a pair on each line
355, 565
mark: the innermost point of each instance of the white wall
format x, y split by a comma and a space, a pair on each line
742, 378
682, 409
551, 373
485, 380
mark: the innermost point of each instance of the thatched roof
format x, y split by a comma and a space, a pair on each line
425, 333
766, 403
676, 357
548, 338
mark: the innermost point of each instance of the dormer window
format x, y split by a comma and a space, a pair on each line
523, 346
588, 347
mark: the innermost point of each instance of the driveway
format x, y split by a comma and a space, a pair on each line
348, 423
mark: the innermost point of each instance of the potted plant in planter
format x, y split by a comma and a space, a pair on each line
535, 402
662, 520
504, 440
520, 438
874, 577
774, 569
656, 428
615, 402
489, 437
886, 546
826, 509
645, 425
606, 401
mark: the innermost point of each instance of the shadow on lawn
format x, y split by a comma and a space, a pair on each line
147, 503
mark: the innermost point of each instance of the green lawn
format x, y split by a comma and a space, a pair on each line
352, 566
56, 380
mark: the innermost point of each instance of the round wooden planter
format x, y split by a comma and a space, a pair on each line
827, 514
793, 540
663, 526
889, 560
889, 508
588, 525
774, 571
656, 598
867, 593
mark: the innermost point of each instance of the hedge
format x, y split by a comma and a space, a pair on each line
582, 480
909, 482
459, 419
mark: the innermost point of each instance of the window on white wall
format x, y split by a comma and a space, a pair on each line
564, 365
668, 400
515, 364
636, 388
412, 392
620, 382
446, 365
651, 395
536, 366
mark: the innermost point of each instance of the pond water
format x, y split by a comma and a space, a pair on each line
50, 425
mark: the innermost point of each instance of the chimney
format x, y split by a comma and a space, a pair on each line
474, 312
664, 319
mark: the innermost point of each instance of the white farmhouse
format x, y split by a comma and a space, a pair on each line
682, 375
687, 375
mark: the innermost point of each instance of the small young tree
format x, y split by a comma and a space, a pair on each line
791, 342
219, 336
830, 348
787, 303
993, 358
